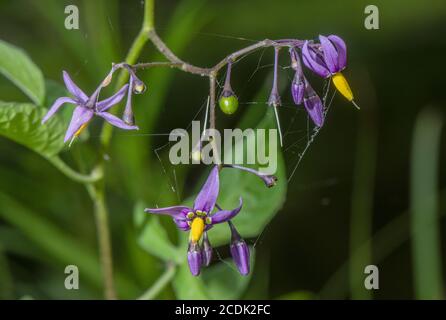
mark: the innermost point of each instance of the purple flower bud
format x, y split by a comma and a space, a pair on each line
194, 258
298, 89
207, 250
239, 251
298, 84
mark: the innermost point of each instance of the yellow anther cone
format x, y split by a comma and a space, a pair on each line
342, 86
196, 230
78, 132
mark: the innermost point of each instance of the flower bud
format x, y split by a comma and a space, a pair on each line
207, 250
194, 258
298, 89
239, 251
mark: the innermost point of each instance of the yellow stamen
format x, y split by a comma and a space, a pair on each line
78, 132
196, 230
342, 85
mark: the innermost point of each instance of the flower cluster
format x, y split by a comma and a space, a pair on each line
327, 59
200, 218
89, 106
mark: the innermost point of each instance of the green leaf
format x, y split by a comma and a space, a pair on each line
223, 281
21, 122
153, 237
19, 68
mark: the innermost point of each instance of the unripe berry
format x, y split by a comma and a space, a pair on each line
228, 102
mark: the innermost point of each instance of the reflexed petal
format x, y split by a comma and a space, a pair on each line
55, 107
176, 212
314, 106
205, 200
111, 101
80, 116
115, 121
194, 258
207, 250
225, 215
341, 47
182, 224
240, 255
73, 88
313, 61
239, 251
330, 54
128, 116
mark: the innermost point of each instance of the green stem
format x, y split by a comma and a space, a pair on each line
133, 54
424, 207
162, 281
97, 191
362, 204
96, 174
103, 232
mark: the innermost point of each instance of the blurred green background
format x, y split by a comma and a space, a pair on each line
376, 172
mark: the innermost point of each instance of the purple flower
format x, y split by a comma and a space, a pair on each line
87, 107
328, 59
302, 91
199, 218
239, 251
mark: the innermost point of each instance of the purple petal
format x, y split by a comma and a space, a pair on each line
55, 107
330, 54
341, 47
115, 121
111, 101
182, 224
313, 61
194, 258
207, 250
239, 251
205, 200
176, 212
314, 106
80, 116
225, 215
73, 88
240, 255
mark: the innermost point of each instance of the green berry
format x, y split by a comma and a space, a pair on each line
228, 104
